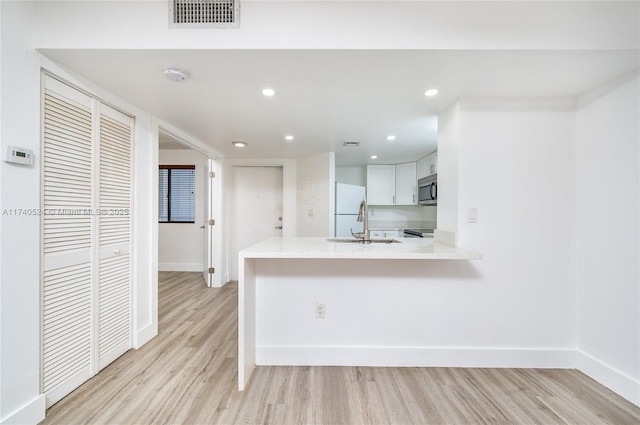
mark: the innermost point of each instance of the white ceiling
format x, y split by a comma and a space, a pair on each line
326, 97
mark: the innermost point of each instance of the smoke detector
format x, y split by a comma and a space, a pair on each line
175, 74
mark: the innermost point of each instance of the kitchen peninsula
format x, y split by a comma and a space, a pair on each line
311, 301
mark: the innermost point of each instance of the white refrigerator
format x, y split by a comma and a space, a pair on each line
348, 198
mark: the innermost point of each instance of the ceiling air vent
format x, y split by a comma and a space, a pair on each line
351, 144
204, 13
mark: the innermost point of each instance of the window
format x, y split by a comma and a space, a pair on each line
176, 194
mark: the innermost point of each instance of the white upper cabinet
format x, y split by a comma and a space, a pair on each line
406, 183
427, 165
381, 184
422, 169
391, 184
432, 163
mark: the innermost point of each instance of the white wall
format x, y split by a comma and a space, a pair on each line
352, 175
513, 308
413, 216
516, 166
608, 236
315, 196
448, 152
303, 25
181, 245
20, 399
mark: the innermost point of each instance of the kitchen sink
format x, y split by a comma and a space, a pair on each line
353, 240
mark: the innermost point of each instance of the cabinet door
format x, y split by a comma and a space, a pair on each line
381, 184
422, 168
432, 164
406, 183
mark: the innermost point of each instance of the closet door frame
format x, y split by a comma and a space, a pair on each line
50, 82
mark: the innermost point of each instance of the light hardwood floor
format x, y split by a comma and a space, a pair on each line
187, 375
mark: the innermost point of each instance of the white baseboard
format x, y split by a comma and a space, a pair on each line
616, 381
414, 356
32, 413
180, 267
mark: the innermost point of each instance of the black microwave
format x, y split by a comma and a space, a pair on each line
428, 190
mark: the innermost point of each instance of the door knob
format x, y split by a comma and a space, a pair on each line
279, 227
202, 227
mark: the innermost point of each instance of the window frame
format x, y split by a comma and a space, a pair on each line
176, 167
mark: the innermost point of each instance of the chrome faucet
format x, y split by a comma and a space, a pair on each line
363, 216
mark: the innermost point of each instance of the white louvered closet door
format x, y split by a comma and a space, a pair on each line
114, 235
86, 242
67, 240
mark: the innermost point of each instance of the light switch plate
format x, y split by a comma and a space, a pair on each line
472, 215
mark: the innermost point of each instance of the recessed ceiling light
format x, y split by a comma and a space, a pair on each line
374, 156
288, 137
431, 92
239, 144
391, 137
175, 74
268, 92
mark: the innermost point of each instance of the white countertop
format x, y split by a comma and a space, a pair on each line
316, 247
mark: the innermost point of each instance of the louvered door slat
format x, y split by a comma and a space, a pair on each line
66, 119
77, 158
116, 150
114, 231
66, 102
58, 362
119, 314
67, 290
86, 287
56, 140
60, 171
62, 333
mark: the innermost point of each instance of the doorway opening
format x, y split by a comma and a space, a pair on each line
184, 190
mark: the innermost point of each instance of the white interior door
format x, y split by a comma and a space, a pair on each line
208, 225
256, 208
114, 235
67, 284
86, 237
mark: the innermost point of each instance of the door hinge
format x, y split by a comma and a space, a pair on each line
212, 270
212, 174
212, 222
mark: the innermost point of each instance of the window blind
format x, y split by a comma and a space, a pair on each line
176, 194
163, 195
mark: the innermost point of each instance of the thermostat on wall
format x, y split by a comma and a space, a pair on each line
17, 155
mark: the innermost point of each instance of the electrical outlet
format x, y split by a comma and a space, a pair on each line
320, 309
